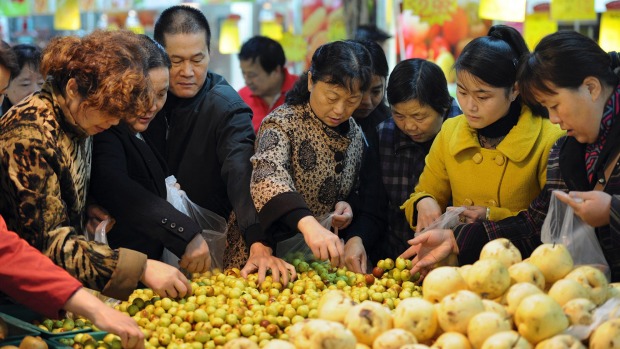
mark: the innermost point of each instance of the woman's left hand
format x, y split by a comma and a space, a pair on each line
473, 214
593, 207
343, 215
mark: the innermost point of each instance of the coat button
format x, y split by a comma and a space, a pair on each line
601, 180
181, 229
173, 225
339, 168
499, 160
477, 158
163, 221
492, 203
468, 202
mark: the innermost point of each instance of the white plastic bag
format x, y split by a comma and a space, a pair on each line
608, 311
448, 220
296, 247
100, 232
213, 226
562, 226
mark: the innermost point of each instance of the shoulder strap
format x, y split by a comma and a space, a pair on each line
600, 184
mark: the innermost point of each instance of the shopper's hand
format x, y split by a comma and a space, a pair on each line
355, 255
110, 320
593, 207
262, 260
430, 247
473, 214
96, 214
428, 211
106, 318
323, 243
197, 258
165, 280
343, 215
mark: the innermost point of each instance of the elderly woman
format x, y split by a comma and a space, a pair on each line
45, 154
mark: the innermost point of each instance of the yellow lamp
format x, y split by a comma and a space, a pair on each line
538, 25
609, 37
501, 10
271, 29
67, 16
229, 35
573, 10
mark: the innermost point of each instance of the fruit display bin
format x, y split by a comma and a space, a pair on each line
57, 341
16, 342
17, 330
25, 317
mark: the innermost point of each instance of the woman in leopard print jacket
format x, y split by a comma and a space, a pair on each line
308, 151
45, 156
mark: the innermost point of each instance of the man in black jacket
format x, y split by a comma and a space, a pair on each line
206, 136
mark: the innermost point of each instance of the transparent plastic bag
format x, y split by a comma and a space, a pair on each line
448, 220
607, 311
562, 226
296, 247
213, 226
100, 232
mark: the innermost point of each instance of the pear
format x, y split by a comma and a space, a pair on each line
30, 342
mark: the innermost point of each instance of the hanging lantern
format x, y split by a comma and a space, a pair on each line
573, 10
609, 38
229, 35
271, 29
538, 25
67, 15
500, 10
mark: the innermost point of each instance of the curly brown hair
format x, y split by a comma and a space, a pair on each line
109, 68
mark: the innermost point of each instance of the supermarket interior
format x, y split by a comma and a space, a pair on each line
434, 29
414, 174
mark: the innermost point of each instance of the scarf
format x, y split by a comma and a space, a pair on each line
593, 151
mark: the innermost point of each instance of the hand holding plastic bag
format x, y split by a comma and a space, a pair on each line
435, 245
214, 226
562, 226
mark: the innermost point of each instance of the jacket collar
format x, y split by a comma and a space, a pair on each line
516, 146
50, 92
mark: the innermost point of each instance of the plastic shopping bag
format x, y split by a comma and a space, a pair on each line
213, 226
100, 232
607, 311
296, 247
562, 226
448, 220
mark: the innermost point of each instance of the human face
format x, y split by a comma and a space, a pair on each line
578, 111
190, 61
28, 81
5, 78
331, 103
482, 103
371, 98
420, 122
80, 113
159, 78
260, 82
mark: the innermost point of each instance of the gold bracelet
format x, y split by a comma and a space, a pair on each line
488, 216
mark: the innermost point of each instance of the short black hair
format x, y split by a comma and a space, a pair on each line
156, 54
341, 63
181, 19
8, 59
371, 32
421, 80
269, 52
28, 54
565, 59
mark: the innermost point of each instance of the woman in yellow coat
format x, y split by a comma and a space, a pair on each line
492, 159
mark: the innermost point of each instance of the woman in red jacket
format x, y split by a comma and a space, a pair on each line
35, 281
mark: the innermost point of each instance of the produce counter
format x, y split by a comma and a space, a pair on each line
498, 302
